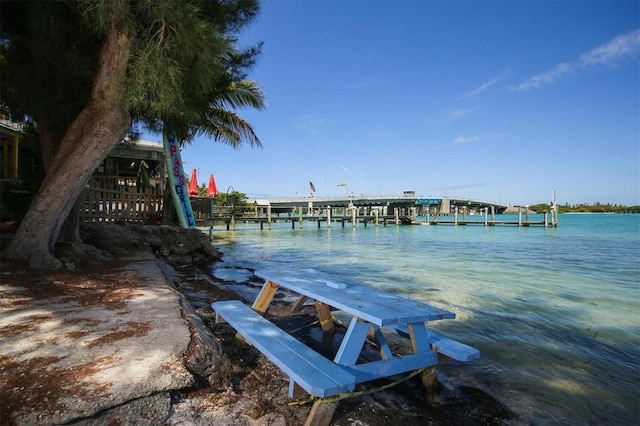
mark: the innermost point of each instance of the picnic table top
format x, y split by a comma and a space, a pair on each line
368, 303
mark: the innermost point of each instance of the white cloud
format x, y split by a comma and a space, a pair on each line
621, 46
484, 86
458, 113
609, 53
545, 78
462, 140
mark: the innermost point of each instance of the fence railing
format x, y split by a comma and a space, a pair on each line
111, 198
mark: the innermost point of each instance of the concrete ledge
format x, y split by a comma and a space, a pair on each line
75, 345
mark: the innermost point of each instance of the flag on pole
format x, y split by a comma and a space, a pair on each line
313, 188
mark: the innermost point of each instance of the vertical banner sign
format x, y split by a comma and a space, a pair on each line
173, 163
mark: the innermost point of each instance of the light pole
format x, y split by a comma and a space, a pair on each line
232, 200
347, 173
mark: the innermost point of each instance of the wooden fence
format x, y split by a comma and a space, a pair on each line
111, 198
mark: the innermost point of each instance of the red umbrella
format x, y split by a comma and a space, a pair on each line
193, 185
212, 190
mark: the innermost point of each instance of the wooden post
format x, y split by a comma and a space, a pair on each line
265, 297
429, 379
269, 217
5, 159
429, 376
546, 223
396, 215
321, 413
328, 216
354, 212
375, 214
16, 142
493, 214
300, 218
455, 216
324, 315
486, 216
519, 216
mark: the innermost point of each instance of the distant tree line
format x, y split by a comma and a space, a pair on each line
596, 207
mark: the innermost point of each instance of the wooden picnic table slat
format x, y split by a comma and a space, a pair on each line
375, 306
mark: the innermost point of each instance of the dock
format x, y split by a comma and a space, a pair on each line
303, 217
374, 210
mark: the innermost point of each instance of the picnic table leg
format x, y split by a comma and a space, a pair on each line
265, 297
299, 304
352, 343
420, 343
321, 413
326, 322
376, 335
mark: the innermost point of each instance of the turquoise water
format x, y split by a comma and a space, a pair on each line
555, 312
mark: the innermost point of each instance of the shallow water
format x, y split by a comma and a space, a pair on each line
555, 312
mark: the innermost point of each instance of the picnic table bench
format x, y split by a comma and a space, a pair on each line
372, 310
316, 374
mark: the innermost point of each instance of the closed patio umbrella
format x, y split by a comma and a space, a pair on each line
212, 190
193, 185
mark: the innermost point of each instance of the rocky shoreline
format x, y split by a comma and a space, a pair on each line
126, 336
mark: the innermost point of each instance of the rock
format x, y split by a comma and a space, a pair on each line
174, 244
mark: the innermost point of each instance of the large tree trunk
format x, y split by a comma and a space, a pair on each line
51, 136
94, 133
70, 231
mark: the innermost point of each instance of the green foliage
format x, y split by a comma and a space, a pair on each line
185, 70
224, 199
598, 208
541, 208
586, 208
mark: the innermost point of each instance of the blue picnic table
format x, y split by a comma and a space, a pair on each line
371, 310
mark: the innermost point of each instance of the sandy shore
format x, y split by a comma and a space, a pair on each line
130, 339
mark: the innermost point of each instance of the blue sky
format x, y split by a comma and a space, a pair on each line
503, 101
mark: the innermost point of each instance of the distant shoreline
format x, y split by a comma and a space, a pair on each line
596, 213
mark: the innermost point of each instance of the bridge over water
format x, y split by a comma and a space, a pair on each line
441, 205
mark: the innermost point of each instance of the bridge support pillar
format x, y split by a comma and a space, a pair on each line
445, 206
